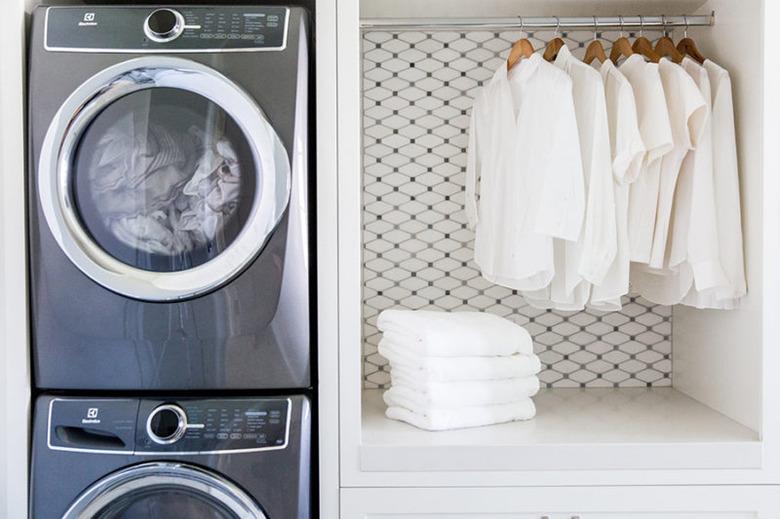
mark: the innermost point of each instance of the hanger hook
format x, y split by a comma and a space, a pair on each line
595, 28
663, 24
557, 26
522, 24
641, 26
685, 32
620, 17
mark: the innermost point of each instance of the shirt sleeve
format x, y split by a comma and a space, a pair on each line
703, 248
630, 149
696, 109
599, 242
655, 126
472, 171
561, 207
726, 172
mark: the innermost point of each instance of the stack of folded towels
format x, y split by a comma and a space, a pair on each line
450, 370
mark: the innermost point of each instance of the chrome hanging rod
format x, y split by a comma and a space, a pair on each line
539, 22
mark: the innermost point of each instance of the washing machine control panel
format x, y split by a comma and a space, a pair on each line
166, 29
212, 425
178, 426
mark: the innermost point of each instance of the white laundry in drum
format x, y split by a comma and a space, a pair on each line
163, 191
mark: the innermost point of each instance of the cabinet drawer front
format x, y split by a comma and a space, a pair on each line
594, 515
657, 502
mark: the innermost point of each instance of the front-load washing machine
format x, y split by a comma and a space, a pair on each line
169, 197
152, 458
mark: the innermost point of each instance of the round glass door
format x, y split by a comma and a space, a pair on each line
161, 179
164, 490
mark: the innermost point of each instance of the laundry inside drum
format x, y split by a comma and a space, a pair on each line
164, 179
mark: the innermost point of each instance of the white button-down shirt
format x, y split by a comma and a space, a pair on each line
688, 113
694, 235
585, 262
692, 247
726, 186
656, 134
524, 151
628, 152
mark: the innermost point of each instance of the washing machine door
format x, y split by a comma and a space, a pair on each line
164, 490
161, 179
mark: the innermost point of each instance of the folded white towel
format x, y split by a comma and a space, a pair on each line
416, 395
443, 419
448, 369
454, 334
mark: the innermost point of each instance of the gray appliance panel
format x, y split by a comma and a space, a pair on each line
206, 29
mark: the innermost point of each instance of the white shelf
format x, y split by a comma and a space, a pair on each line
627, 428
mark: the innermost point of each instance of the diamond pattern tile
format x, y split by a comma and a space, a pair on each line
417, 93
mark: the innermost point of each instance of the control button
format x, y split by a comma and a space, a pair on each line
164, 25
166, 424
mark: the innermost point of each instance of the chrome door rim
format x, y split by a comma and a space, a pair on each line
157, 474
87, 101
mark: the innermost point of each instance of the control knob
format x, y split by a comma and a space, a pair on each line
166, 424
164, 25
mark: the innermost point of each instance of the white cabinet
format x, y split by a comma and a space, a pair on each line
719, 423
663, 502
716, 430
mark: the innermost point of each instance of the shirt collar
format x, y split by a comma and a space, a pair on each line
633, 60
564, 57
525, 69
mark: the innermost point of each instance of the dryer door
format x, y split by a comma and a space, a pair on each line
164, 490
161, 179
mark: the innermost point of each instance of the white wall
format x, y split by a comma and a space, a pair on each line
718, 355
15, 385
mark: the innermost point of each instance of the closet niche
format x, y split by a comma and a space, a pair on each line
685, 384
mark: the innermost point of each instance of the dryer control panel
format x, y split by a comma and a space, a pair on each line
166, 29
175, 426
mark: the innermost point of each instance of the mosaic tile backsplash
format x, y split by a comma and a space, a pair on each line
418, 252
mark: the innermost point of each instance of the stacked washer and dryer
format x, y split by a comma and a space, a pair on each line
170, 249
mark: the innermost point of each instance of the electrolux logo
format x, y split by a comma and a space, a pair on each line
92, 416
88, 20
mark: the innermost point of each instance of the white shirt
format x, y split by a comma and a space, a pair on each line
692, 252
688, 111
628, 153
726, 185
531, 186
666, 280
656, 131
583, 263
695, 232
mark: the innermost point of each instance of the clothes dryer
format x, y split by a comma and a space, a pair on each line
169, 210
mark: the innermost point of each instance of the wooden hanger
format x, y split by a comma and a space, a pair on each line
595, 49
621, 47
688, 47
665, 46
551, 52
643, 46
522, 48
